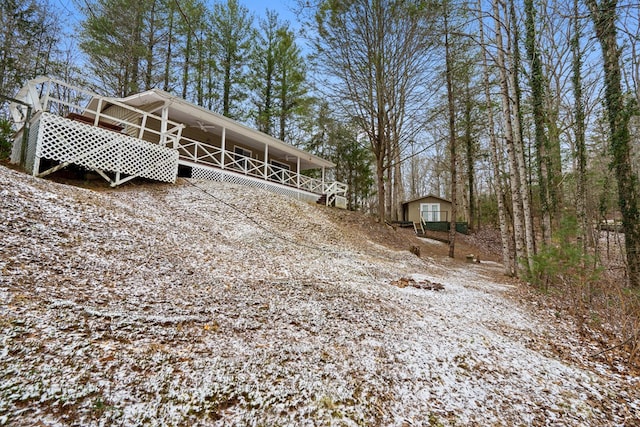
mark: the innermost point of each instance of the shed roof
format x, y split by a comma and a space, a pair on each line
425, 197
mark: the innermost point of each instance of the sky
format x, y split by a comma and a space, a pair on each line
70, 14
283, 7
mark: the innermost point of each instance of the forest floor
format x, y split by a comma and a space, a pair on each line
205, 303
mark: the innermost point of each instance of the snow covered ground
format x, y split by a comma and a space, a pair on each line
205, 303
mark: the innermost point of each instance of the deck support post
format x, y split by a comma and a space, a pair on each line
35, 98
45, 101
96, 119
143, 124
223, 149
163, 125
266, 161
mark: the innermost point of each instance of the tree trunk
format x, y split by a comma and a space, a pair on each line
134, 86
168, 58
518, 144
398, 187
388, 185
537, 100
554, 164
200, 72
452, 138
226, 86
581, 155
502, 216
186, 65
380, 180
470, 154
604, 19
150, 48
283, 102
514, 178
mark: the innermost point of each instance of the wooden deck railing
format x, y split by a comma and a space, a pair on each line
201, 153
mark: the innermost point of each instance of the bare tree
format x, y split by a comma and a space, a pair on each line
518, 138
510, 135
374, 56
502, 216
579, 129
452, 131
604, 14
536, 82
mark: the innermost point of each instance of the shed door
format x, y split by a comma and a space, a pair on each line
430, 212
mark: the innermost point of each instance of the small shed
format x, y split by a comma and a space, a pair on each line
427, 208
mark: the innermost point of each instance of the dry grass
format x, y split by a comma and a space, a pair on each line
594, 295
610, 311
611, 314
593, 291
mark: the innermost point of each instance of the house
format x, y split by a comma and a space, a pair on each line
159, 136
427, 208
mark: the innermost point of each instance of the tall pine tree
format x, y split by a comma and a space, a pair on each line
232, 35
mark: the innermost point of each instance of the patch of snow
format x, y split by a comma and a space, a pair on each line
212, 304
432, 241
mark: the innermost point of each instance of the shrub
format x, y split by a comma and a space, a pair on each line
563, 266
596, 296
6, 134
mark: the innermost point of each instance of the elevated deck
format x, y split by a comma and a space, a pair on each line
65, 141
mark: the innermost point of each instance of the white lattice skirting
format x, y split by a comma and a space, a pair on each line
211, 174
29, 150
68, 141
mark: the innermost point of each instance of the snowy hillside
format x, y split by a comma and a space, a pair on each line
204, 303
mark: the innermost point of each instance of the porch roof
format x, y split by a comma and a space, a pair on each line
191, 115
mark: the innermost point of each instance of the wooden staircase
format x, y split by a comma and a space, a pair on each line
322, 200
417, 227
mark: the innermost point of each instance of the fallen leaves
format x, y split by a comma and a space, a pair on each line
156, 304
428, 285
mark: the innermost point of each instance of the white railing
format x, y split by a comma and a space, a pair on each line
336, 192
197, 152
311, 184
336, 188
201, 153
60, 98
